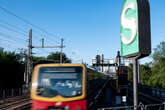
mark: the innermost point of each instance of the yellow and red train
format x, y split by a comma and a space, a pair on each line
65, 87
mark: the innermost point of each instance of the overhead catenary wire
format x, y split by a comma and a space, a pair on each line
77, 58
13, 29
10, 42
11, 25
20, 29
41, 51
51, 36
27, 22
11, 37
14, 38
10, 29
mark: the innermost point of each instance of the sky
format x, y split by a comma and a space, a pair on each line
89, 27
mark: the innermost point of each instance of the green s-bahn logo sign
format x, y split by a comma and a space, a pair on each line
128, 23
131, 32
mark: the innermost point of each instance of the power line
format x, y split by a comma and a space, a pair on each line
11, 25
12, 30
10, 42
10, 37
59, 46
26, 21
23, 32
15, 27
41, 51
74, 53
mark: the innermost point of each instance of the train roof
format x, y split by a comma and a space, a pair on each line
93, 68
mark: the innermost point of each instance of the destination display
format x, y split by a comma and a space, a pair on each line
59, 69
61, 76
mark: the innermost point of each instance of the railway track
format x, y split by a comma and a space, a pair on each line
16, 103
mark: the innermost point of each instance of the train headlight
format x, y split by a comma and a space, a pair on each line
35, 84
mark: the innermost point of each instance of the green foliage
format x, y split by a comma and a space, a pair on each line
12, 69
153, 74
56, 57
36, 59
158, 67
130, 73
145, 73
159, 52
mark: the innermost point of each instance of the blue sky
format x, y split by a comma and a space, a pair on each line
89, 27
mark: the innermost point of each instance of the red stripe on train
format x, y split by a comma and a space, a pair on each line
73, 105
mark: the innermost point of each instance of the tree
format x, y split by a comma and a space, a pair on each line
153, 74
145, 73
159, 52
36, 59
12, 69
158, 66
130, 73
56, 57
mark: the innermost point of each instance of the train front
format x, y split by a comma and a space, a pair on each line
58, 87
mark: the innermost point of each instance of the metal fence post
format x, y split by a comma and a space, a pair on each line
163, 105
3, 94
145, 108
19, 91
141, 106
12, 92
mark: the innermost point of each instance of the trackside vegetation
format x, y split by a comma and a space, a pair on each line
12, 70
153, 73
12, 67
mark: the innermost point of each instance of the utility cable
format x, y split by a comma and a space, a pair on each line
26, 21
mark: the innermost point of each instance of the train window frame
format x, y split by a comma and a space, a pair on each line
78, 71
57, 98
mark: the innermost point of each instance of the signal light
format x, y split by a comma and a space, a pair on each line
117, 71
122, 70
117, 59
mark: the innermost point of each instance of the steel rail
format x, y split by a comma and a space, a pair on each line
15, 104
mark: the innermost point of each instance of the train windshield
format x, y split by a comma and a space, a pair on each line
64, 81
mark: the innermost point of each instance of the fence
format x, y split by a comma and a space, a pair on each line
139, 107
7, 93
118, 108
158, 93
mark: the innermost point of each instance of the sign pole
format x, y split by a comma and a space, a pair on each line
135, 83
135, 43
